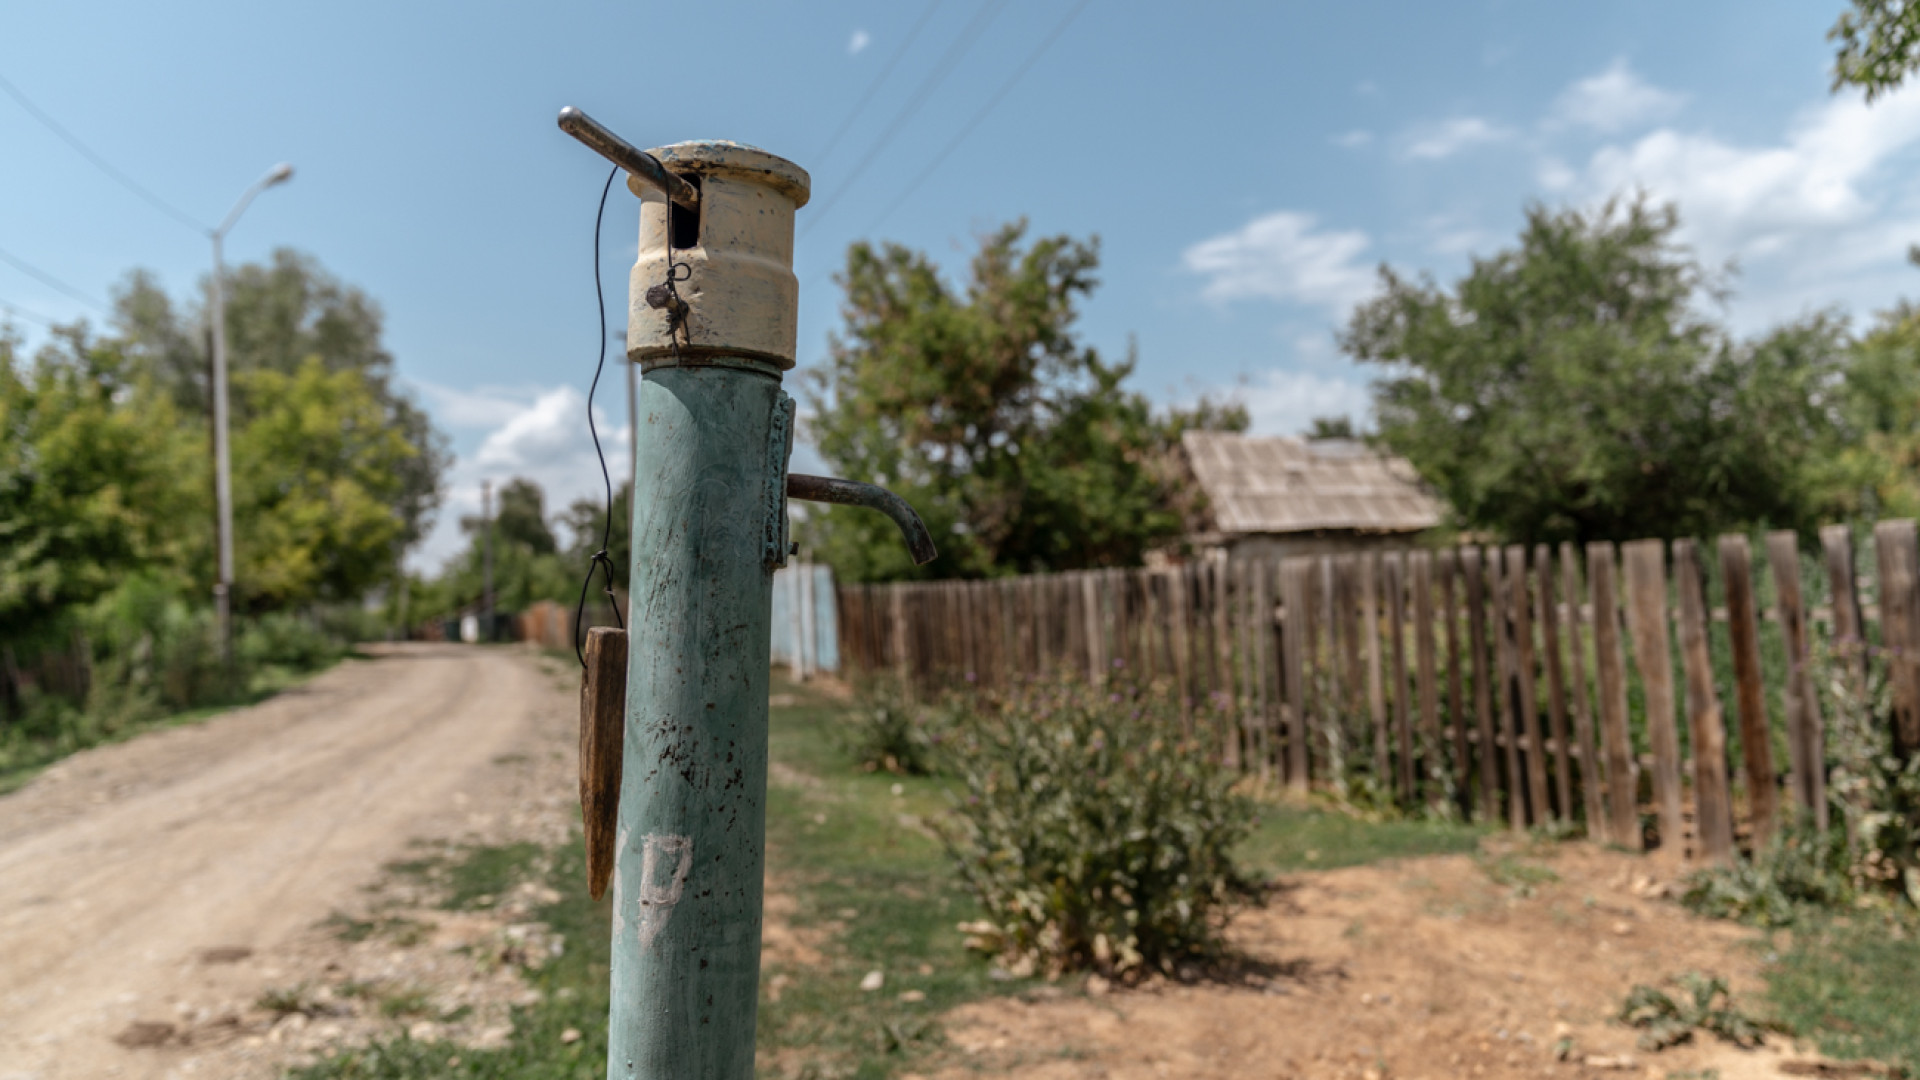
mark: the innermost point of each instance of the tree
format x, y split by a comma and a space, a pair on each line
586, 524
1567, 388
519, 517
319, 482
1331, 427
1879, 45
1018, 445
96, 476
279, 316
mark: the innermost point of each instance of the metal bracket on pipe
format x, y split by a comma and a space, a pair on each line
641, 164
826, 489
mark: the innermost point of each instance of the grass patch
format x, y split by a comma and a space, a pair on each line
1849, 983
1291, 838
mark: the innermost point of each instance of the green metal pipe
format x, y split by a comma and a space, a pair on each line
708, 528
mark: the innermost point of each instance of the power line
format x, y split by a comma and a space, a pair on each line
16, 309
103, 164
961, 136
874, 87
50, 281
938, 75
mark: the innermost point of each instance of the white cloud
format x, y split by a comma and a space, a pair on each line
542, 436
1354, 139
860, 40
1612, 101
1449, 137
1285, 256
1809, 216
1286, 402
479, 407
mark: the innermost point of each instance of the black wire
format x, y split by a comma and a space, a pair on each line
599, 559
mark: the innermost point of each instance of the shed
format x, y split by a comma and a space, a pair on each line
1277, 495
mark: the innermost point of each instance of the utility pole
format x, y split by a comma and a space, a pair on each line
486, 547
222, 460
712, 323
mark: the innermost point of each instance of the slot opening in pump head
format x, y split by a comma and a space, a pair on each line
683, 228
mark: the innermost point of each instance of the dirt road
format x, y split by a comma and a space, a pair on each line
142, 884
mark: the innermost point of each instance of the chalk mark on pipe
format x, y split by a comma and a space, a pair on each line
657, 899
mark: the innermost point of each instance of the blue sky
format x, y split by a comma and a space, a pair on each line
1246, 166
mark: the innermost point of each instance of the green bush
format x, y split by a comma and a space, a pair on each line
886, 729
1092, 833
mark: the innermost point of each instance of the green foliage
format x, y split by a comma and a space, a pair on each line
1018, 445
1704, 1004
96, 473
1799, 869
1877, 474
1878, 45
318, 487
1566, 388
1873, 787
1091, 833
887, 730
282, 315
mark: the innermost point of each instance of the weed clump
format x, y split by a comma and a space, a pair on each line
1094, 833
886, 729
1704, 1004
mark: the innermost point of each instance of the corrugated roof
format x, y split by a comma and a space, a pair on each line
1286, 485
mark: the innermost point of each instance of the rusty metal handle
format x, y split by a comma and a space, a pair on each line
629, 157
827, 489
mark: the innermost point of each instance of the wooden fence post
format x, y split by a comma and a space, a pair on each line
1396, 567
1471, 563
1897, 553
1548, 608
1623, 815
1528, 698
1652, 652
1432, 755
1756, 739
1582, 707
1506, 711
1713, 816
1849, 631
1376, 691
1449, 560
1806, 750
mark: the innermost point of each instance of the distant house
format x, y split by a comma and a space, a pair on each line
1276, 495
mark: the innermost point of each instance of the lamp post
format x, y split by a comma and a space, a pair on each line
222, 461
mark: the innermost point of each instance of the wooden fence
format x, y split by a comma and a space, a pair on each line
1535, 686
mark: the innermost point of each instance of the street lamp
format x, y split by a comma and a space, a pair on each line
222, 464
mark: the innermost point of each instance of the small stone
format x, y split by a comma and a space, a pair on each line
913, 997
1622, 929
899, 789
1097, 986
874, 980
571, 1035
926, 969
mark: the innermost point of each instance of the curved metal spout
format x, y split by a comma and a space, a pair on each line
826, 489
629, 157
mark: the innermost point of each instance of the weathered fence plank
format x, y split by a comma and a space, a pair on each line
1806, 753
1547, 611
1582, 709
1396, 576
1623, 817
1506, 702
1849, 631
1897, 553
1652, 653
1449, 567
1474, 566
1426, 673
1713, 816
1756, 741
1528, 694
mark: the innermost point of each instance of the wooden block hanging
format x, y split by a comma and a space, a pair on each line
603, 728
